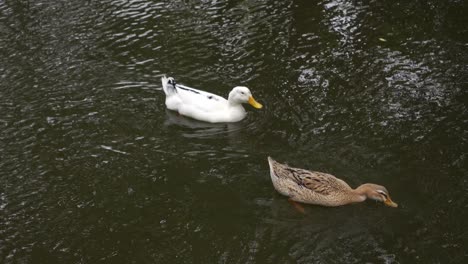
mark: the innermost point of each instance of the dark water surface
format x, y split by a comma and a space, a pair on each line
93, 169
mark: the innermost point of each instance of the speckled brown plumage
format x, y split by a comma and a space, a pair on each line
321, 188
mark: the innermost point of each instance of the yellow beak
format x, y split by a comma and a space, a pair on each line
254, 103
390, 203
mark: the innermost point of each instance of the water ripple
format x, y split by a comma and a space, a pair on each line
95, 169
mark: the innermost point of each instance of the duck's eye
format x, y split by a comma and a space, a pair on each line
383, 193
242, 93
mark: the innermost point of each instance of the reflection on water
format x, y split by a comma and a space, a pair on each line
196, 129
94, 169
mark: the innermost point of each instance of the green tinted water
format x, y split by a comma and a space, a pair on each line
93, 169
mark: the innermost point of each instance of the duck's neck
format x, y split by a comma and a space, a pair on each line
235, 105
236, 111
359, 194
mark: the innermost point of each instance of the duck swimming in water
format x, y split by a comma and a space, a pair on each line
320, 188
205, 106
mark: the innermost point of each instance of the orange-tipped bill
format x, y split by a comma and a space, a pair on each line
254, 103
390, 203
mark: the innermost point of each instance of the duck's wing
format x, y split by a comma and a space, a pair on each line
318, 182
202, 100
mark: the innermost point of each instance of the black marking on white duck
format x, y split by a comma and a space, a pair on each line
172, 82
187, 89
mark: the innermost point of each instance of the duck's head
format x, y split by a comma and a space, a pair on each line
377, 193
242, 95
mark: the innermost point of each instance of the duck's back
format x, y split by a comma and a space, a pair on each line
308, 186
198, 99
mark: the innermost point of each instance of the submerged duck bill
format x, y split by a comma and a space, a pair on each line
390, 203
254, 103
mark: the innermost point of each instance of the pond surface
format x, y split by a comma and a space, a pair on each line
94, 169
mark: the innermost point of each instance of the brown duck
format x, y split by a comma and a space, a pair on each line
320, 188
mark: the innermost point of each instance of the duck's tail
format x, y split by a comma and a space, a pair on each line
270, 160
169, 85
272, 164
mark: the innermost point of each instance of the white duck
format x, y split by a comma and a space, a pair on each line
206, 106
